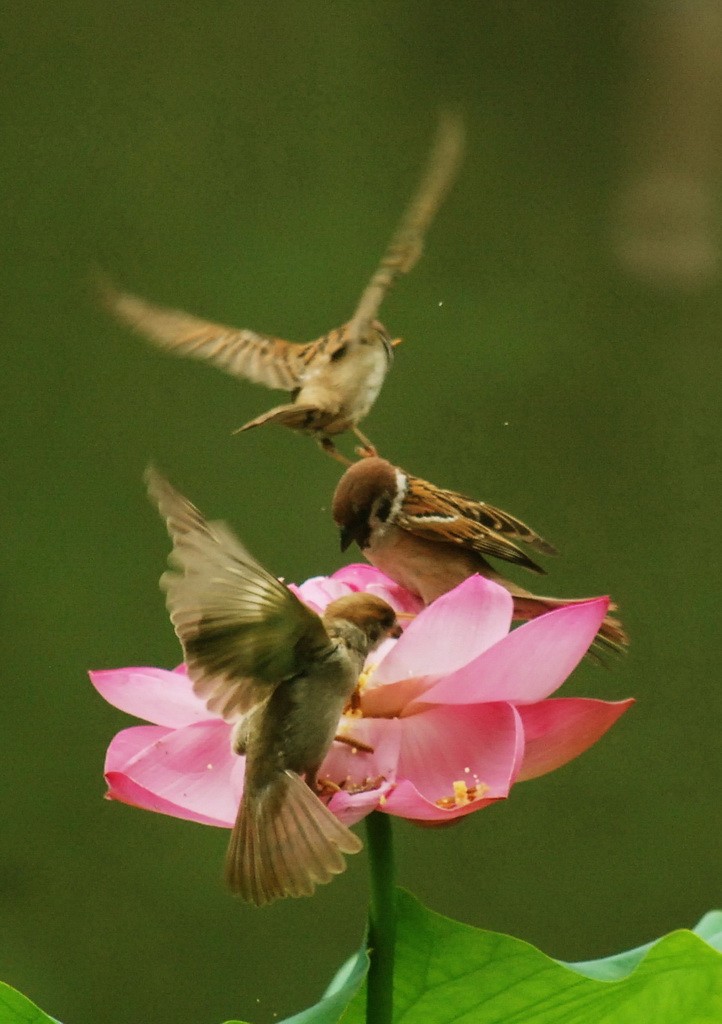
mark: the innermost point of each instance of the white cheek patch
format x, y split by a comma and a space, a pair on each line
402, 486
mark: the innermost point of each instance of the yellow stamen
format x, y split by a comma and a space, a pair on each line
366, 786
363, 679
353, 707
463, 795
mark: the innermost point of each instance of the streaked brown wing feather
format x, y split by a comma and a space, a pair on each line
448, 517
499, 521
242, 353
241, 629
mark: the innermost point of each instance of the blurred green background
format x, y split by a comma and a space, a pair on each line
561, 358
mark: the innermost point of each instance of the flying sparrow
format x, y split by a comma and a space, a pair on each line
336, 379
282, 675
429, 540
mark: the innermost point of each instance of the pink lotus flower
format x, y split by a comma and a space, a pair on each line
451, 715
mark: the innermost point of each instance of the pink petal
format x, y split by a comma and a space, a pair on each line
389, 700
379, 653
360, 575
125, 791
154, 694
352, 807
190, 772
451, 632
320, 591
128, 743
405, 801
528, 664
559, 730
480, 745
372, 581
407, 605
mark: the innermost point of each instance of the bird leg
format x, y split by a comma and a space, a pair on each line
330, 448
366, 450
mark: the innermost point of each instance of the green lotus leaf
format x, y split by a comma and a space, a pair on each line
17, 1009
452, 973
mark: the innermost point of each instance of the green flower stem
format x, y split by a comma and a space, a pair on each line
382, 920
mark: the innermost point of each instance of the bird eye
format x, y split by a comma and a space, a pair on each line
339, 353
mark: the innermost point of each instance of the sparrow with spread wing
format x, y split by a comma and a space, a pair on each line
282, 675
336, 379
429, 540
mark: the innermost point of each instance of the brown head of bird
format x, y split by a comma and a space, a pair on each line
365, 496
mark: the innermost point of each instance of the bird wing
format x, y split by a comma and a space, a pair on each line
448, 517
242, 353
499, 521
407, 243
241, 629
297, 416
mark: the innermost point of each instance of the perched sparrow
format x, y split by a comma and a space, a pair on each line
334, 380
429, 540
282, 675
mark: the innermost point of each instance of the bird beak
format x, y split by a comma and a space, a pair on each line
346, 537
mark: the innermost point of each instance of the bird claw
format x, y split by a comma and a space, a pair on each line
367, 451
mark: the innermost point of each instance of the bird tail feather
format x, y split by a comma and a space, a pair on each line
611, 636
297, 417
285, 842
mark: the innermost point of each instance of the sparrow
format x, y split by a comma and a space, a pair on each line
334, 380
282, 675
429, 540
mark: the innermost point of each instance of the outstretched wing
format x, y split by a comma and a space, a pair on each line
446, 516
242, 353
407, 243
242, 630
